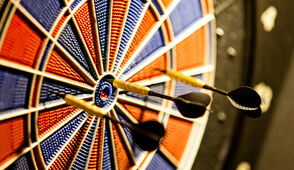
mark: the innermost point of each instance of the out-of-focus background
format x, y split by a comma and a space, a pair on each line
255, 47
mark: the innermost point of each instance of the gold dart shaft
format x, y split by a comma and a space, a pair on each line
138, 89
96, 111
194, 82
89, 108
131, 87
185, 79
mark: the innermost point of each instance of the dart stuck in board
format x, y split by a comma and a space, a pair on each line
147, 135
244, 98
191, 105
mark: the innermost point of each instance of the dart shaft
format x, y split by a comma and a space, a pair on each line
192, 81
154, 93
87, 107
185, 79
139, 89
131, 87
215, 90
94, 110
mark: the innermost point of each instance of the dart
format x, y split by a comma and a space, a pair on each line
243, 98
191, 105
147, 134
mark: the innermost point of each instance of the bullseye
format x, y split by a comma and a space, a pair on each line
105, 94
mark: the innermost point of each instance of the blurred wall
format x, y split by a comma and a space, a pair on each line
261, 55
266, 143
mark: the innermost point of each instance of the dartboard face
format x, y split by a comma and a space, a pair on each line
73, 47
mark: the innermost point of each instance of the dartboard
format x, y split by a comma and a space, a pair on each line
72, 47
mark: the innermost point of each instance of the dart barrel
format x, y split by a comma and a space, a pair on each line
89, 108
131, 87
194, 82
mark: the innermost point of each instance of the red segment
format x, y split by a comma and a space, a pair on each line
119, 11
84, 17
65, 158
176, 136
190, 53
50, 119
145, 27
57, 65
140, 113
22, 42
95, 158
150, 70
11, 137
122, 156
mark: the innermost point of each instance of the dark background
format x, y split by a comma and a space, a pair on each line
230, 138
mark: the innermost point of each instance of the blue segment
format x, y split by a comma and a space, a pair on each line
45, 55
51, 88
24, 162
83, 154
136, 149
157, 6
159, 161
107, 162
102, 9
184, 14
14, 89
55, 142
70, 41
153, 44
156, 87
74, 4
133, 16
45, 12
